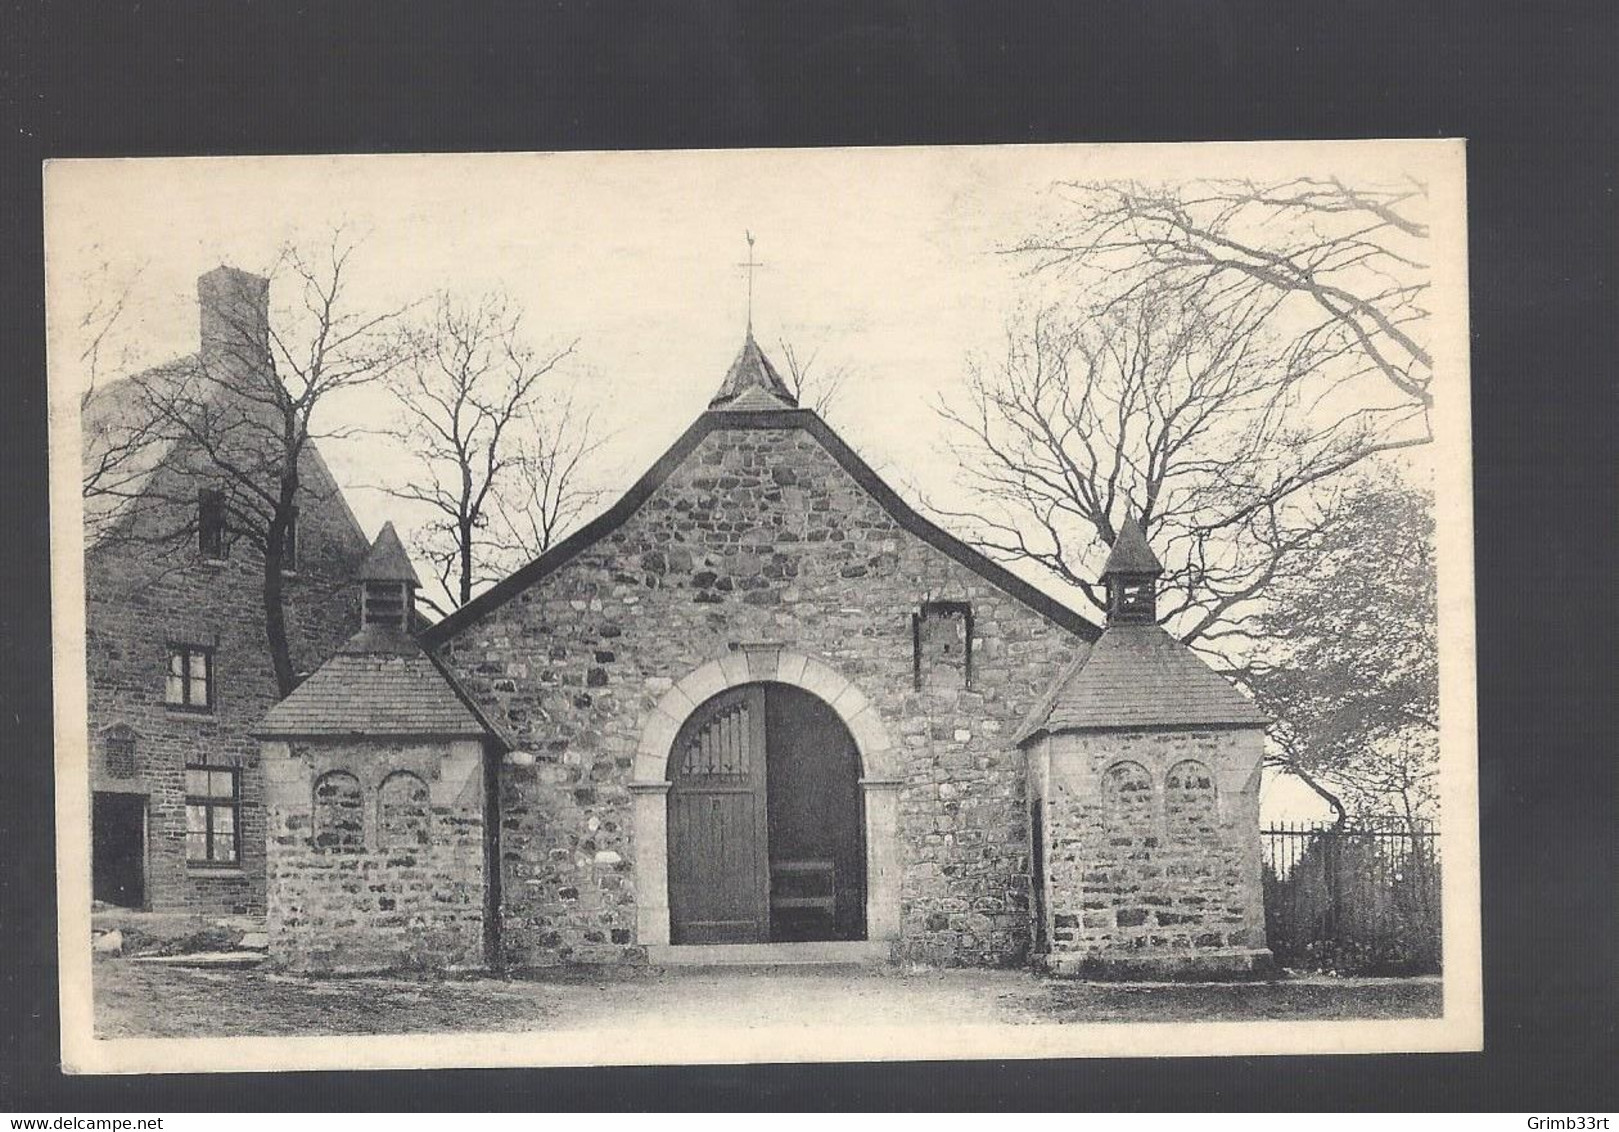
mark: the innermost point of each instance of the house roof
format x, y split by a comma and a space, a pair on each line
387, 560
1131, 553
124, 449
120, 447
379, 683
752, 382
735, 417
1140, 676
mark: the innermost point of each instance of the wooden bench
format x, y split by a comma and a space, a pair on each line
804, 886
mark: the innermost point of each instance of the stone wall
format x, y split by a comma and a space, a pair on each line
144, 591
376, 854
758, 536
1151, 850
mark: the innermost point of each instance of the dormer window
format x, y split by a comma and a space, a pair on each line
386, 604
211, 522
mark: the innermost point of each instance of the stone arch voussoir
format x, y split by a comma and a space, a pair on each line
878, 757
880, 771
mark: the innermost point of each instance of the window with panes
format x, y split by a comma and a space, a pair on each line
189, 684
213, 814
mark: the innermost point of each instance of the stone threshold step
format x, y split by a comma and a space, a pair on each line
768, 954
205, 959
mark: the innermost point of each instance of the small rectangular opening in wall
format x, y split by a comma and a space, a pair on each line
942, 642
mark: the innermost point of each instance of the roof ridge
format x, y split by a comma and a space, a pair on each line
850, 461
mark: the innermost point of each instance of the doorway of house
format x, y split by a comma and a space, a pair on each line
766, 825
118, 849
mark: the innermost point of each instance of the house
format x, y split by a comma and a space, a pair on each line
760, 708
178, 663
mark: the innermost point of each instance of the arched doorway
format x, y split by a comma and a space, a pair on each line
766, 834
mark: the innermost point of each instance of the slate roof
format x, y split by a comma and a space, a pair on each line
752, 382
1140, 676
379, 683
1131, 554
387, 560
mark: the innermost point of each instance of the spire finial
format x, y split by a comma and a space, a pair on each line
749, 265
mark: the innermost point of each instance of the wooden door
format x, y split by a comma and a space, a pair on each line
719, 856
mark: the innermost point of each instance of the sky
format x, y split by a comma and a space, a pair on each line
888, 263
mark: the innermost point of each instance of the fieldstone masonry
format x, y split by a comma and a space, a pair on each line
1029, 784
376, 854
148, 587
1151, 851
758, 536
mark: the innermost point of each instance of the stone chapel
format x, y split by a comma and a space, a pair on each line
761, 710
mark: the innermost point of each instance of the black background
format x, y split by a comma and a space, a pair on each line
1530, 85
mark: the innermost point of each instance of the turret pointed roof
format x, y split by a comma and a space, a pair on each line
752, 382
388, 561
381, 681
1131, 554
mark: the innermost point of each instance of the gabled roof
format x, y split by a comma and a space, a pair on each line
1140, 676
806, 419
752, 382
387, 560
380, 683
1131, 553
119, 446
118, 437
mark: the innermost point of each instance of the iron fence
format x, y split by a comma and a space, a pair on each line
1359, 899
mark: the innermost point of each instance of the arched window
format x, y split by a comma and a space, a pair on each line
339, 813
1189, 802
118, 750
404, 812
1127, 796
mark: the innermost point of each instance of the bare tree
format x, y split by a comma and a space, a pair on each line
547, 494
106, 293
241, 417
1347, 264
480, 419
812, 389
114, 444
1215, 438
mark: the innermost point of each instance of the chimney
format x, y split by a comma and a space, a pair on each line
234, 306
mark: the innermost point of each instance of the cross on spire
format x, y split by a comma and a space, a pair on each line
749, 265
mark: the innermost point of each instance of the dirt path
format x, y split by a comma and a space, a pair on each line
147, 1000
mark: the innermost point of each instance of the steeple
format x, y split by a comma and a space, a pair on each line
753, 383
1131, 574
388, 583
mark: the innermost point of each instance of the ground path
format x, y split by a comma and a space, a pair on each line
150, 1000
